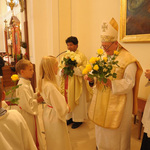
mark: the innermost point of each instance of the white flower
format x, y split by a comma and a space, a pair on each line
77, 58
70, 54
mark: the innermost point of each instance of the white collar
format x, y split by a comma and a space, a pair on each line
27, 81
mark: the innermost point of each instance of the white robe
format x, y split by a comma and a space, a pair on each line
8, 107
56, 132
146, 117
79, 114
14, 132
29, 109
119, 139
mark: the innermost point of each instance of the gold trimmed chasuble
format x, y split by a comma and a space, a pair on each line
106, 109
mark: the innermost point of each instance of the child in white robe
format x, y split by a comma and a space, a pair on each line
28, 100
57, 137
14, 132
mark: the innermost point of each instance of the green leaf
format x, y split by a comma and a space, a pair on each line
114, 75
14, 100
91, 76
12, 89
104, 80
8, 92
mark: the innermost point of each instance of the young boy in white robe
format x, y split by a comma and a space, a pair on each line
14, 132
28, 101
55, 111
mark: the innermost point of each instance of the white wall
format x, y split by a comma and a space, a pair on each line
43, 30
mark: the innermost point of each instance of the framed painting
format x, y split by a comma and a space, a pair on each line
135, 21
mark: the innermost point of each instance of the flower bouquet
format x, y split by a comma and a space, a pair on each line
69, 61
101, 66
13, 100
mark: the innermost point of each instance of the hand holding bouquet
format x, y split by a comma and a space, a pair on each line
101, 66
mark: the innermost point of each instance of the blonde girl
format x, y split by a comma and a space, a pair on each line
55, 111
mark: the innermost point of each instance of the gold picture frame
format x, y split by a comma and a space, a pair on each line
135, 21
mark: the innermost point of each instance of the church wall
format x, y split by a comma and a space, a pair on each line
43, 30
64, 22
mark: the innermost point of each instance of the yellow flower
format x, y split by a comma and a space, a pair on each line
89, 67
85, 71
106, 65
72, 59
15, 77
105, 59
92, 60
104, 70
96, 67
100, 51
116, 53
97, 59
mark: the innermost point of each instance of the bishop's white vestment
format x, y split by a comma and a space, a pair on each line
14, 132
111, 108
56, 132
29, 109
119, 139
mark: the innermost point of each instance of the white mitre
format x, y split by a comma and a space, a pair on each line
109, 31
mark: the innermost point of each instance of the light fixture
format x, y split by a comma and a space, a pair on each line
12, 3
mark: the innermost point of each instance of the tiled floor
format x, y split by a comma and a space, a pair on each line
135, 142
83, 138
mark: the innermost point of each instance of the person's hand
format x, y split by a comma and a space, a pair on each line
147, 74
62, 71
108, 83
38, 94
40, 99
69, 108
86, 77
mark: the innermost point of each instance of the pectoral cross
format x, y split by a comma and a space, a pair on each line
104, 26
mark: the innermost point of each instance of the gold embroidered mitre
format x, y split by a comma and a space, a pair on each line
109, 31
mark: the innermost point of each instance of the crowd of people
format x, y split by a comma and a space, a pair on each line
110, 107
